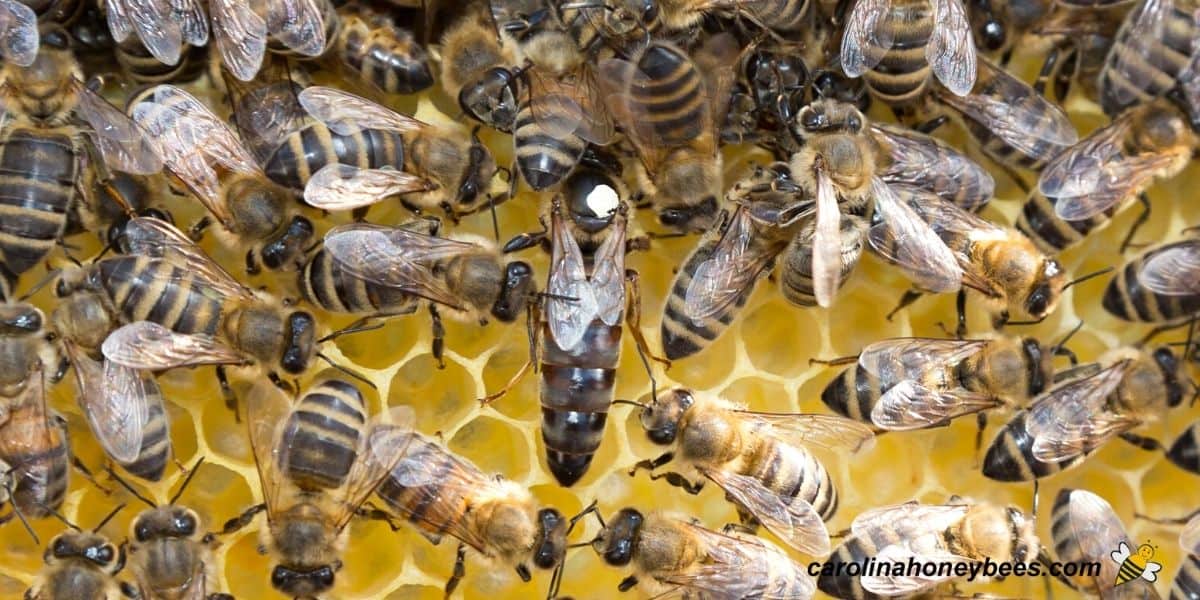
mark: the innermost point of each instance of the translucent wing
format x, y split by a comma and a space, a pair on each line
827, 242
1094, 528
148, 236
730, 271
1189, 536
241, 36
298, 24
821, 431
192, 21
347, 114
396, 257
1173, 270
951, 48
115, 401
893, 585
1142, 33
910, 519
572, 304
608, 273
1016, 113
267, 411
1070, 420
340, 186
266, 110
117, 15
904, 239
740, 567
159, 32
379, 450
911, 405
569, 105
867, 37
18, 33
928, 163
793, 520
122, 144
897, 359
950, 222
150, 346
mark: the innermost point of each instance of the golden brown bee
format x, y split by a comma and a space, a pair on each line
1089, 182
1079, 38
1157, 286
311, 496
960, 530
758, 460
1070, 421
618, 24
674, 553
1085, 530
441, 494
80, 564
474, 70
444, 169
1153, 53
387, 56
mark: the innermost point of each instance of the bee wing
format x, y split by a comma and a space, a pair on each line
115, 400
338, 186
740, 567
572, 303
121, 142
608, 274
1070, 420
570, 105
897, 359
1096, 530
729, 272
911, 405
904, 239
911, 519
347, 114
793, 520
160, 33
951, 48
1189, 536
949, 221
267, 412
117, 15
192, 21
827, 242
928, 163
823, 431
241, 36
902, 584
18, 33
1017, 114
866, 38
29, 440
396, 257
1173, 270
150, 346
1143, 29
387, 437
298, 24
266, 110
148, 236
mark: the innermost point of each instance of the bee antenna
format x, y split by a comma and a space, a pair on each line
112, 474
549, 296
1084, 278
347, 371
108, 518
589, 509
1061, 344
187, 480
50, 276
631, 403
59, 516
358, 326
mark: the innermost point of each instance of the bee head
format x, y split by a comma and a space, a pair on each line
1168, 363
991, 32
20, 319
1047, 290
299, 342
289, 244
551, 543
616, 542
661, 417
88, 546
304, 584
480, 169
165, 522
518, 287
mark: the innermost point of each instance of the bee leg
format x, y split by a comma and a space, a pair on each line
525, 240
651, 465
680, 481
627, 584
981, 420
932, 125
359, 213
460, 569
633, 316
640, 243
370, 511
960, 308
242, 520
197, 231
739, 528
87, 473
1049, 69
533, 318
231, 401
252, 266
908, 298
439, 336
1140, 441
1137, 223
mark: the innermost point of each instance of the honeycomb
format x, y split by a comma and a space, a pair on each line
762, 361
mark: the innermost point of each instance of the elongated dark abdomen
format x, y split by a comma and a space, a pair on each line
322, 435
304, 152
576, 393
149, 289
325, 284
38, 171
1010, 456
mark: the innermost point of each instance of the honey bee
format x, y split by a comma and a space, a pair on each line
170, 554
618, 24
383, 271
1070, 421
311, 496
1187, 580
1154, 286
244, 31
1185, 450
203, 151
1089, 182
80, 564
443, 169
758, 459
19, 28
673, 553
387, 56
1153, 53
159, 28
52, 122
1079, 37
961, 531
1085, 529
473, 71
442, 494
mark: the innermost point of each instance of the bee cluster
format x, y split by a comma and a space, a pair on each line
264, 252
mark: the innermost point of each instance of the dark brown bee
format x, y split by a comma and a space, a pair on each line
1085, 529
759, 460
80, 564
442, 494
1157, 286
1154, 52
385, 55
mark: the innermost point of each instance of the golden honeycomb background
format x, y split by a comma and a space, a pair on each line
763, 361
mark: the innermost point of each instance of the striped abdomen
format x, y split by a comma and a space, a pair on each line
321, 437
670, 101
1126, 299
782, 16
1148, 77
545, 155
853, 394
1032, 105
1010, 456
1185, 452
1187, 581
304, 152
36, 449
681, 336
901, 78
324, 283
383, 54
38, 171
144, 68
576, 392
855, 549
151, 461
1066, 543
795, 269
434, 509
793, 472
149, 289
1049, 232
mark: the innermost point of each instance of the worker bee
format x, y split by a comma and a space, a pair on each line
80, 564
673, 553
960, 531
619, 24
169, 552
244, 31
382, 271
203, 151
442, 494
1089, 182
916, 383
1154, 51
19, 28
1157, 286
758, 459
474, 71
443, 168
310, 497
160, 29
1185, 450
1085, 531
1079, 39
52, 122
1187, 580
371, 44
1070, 421
33, 440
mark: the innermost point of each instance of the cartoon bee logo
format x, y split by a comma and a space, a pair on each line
1134, 565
